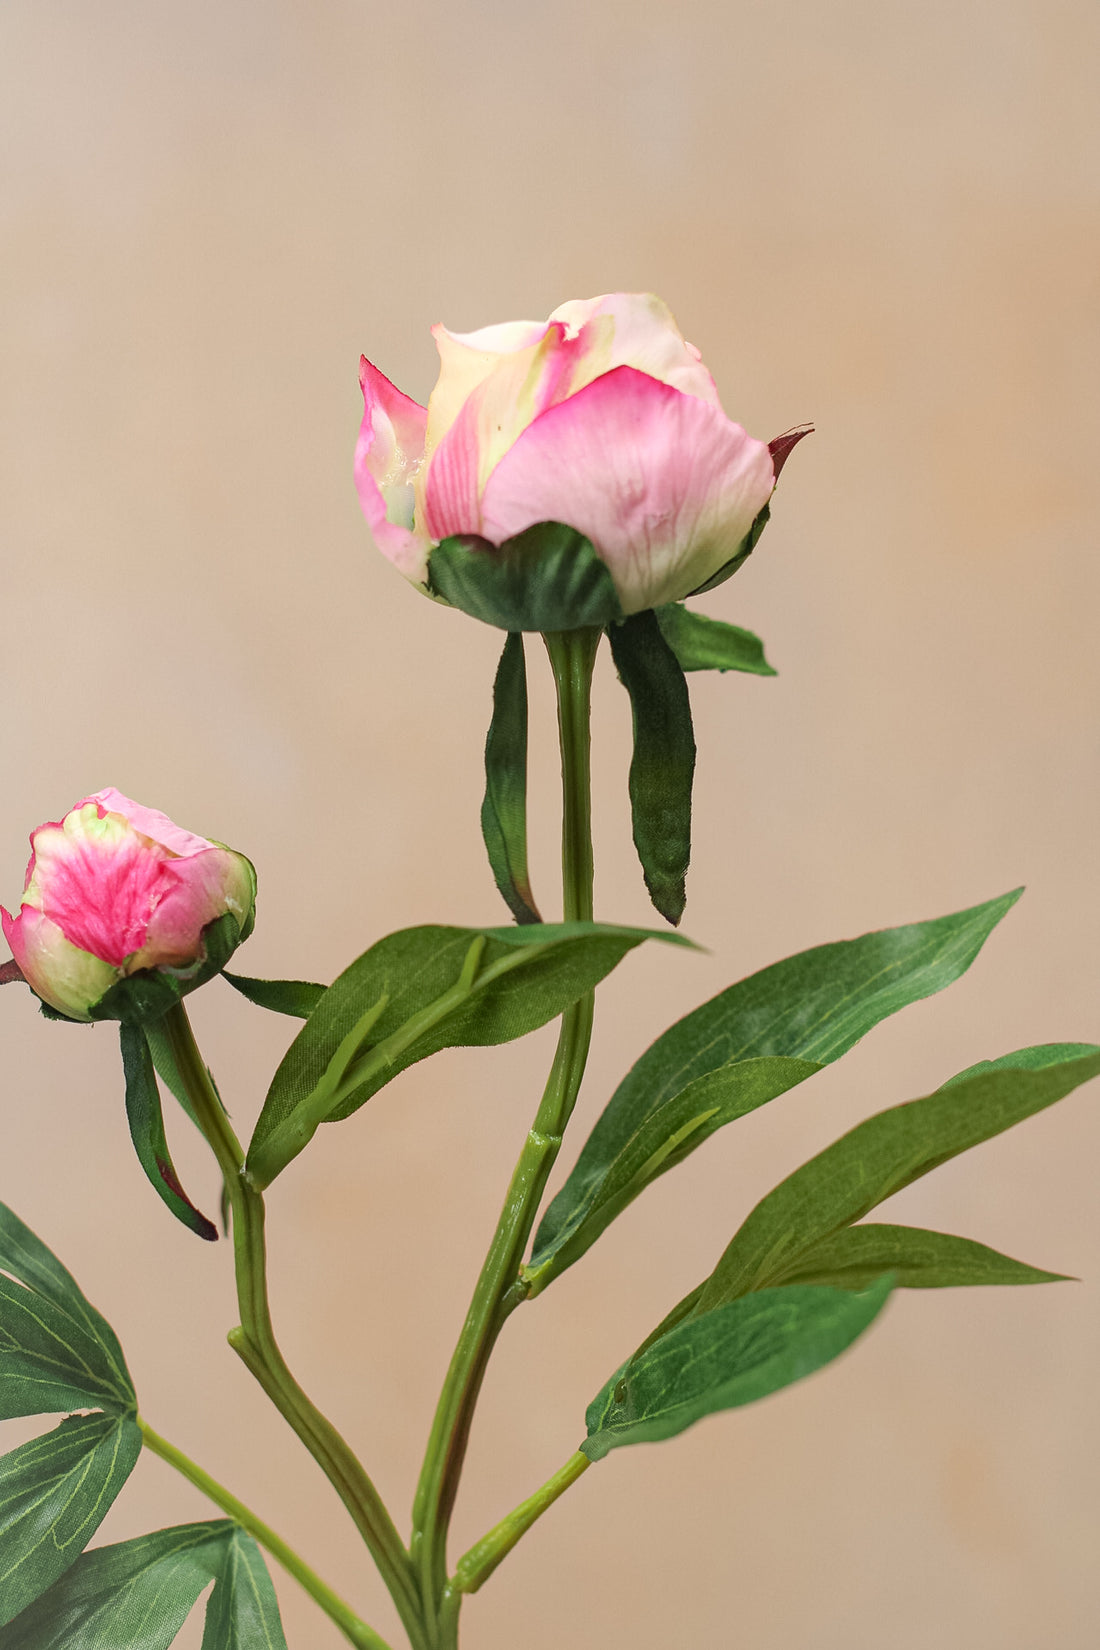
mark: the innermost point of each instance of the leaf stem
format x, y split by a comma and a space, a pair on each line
352, 1627
476, 1566
254, 1341
498, 1290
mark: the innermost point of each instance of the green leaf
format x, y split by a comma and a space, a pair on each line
663, 763
1026, 1059
297, 998
137, 1595
148, 995
803, 1012
54, 1494
146, 1120
918, 1259
664, 1138
424, 996
873, 1161
56, 1351
504, 810
702, 643
546, 578
739, 1353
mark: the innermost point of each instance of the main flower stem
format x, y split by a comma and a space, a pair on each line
352, 1627
254, 1341
498, 1291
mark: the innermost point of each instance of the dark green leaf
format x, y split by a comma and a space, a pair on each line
808, 1009
149, 994
856, 1256
663, 763
143, 1113
56, 1351
1026, 1059
739, 1353
136, 1595
412, 984
243, 1613
297, 998
504, 810
701, 643
663, 1138
54, 1494
546, 578
873, 1161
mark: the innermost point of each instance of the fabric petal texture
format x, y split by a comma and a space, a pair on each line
388, 456
664, 484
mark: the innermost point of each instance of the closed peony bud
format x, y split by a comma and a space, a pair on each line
602, 418
119, 900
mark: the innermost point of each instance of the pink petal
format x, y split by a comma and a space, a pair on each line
99, 880
465, 360
69, 979
388, 455
642, 334
150, 822
199, 891
664, 485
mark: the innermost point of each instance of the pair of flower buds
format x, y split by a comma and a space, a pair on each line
602, 418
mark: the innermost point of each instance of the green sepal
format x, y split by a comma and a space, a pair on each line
918, 1259
146, 1120
740, 556
702, 643
879, 1157
416, 992
56, 1351
298, 998
504, 810
151, 992
735, 1355
548, 577
663, 763
55, 1492
136, 1595
744, 1046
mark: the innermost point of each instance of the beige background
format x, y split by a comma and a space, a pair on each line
877, 215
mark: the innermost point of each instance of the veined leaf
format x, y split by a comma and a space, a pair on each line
702, 643
917, 1259
297, 998
663, 764
54, 1493
425, 989
546, 578
873, 1161
801, 1014
734, 1355
136, 1595
56, 1351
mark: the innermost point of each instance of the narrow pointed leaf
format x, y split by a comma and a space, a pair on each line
243, 1613
702, 643
54, 1493
663, 764
134, 1595
56, 1351
146, 1120
524, 977
873, 1161
297, 998
741, 1352
803, 1012
1026, 1059
918, 1259
504, 810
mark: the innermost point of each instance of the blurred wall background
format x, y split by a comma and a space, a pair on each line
878, 216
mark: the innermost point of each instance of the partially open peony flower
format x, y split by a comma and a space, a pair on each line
114, 888
603, 418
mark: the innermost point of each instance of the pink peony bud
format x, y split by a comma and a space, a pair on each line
113, 889
603, 418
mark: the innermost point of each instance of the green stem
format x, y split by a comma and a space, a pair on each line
498, 1291
476, 1566
255, 1340
352, 1627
